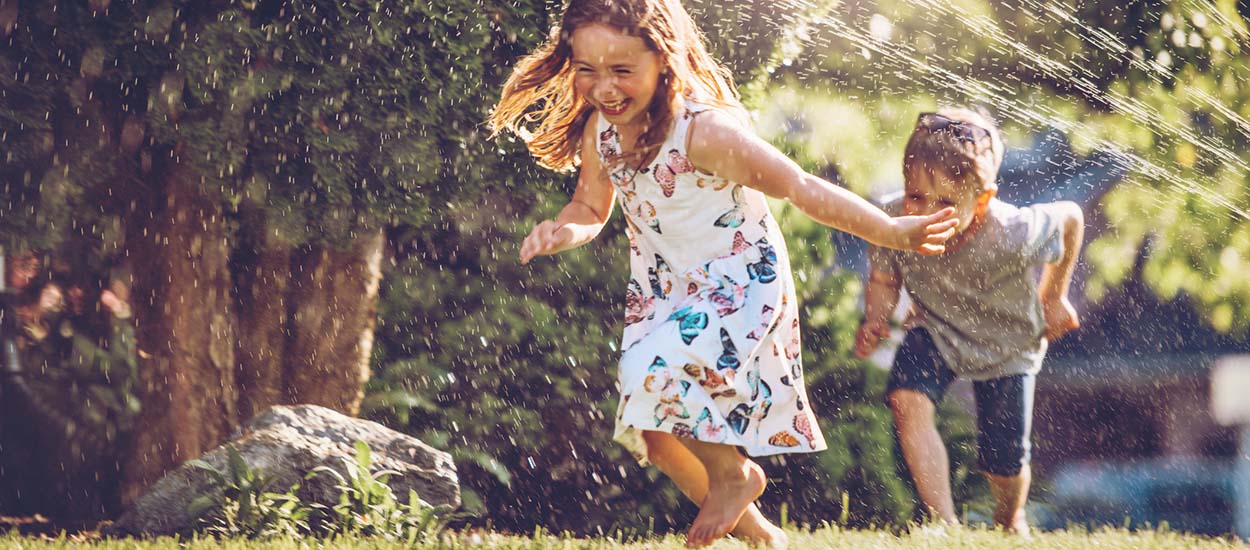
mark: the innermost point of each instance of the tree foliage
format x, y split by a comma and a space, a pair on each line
212, 146
331, 115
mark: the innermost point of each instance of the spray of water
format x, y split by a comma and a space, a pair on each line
937, 71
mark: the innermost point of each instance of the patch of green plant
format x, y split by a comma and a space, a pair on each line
245, 508
368, 507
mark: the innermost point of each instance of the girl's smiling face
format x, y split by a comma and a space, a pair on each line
615, 72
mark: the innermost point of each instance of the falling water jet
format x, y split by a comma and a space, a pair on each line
905, 57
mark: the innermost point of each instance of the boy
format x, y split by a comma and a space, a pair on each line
978, 310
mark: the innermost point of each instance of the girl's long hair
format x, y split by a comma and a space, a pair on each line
540, 105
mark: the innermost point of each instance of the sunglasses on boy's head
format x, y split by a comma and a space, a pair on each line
963, 131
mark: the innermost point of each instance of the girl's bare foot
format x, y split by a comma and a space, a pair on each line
772, 539
726, 501
755, 530
758, 532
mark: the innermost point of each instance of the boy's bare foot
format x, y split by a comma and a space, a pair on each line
1016, 524
1019, 529
724, 505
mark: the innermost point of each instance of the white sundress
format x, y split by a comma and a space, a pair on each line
711, 345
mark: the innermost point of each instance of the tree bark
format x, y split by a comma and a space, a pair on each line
334, 295
177, 243
305, 319
264, 282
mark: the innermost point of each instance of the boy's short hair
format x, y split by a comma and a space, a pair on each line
963, 143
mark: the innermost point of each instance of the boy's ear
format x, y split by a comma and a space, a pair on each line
987, 194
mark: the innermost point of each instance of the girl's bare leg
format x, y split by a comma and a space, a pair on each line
679, 464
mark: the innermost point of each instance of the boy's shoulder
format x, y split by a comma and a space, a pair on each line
1021, 218
1032, 232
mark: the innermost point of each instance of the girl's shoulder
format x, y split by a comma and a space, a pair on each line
697, 109
713, 130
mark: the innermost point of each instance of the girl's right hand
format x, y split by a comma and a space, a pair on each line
548, 237
870, 334
926, 234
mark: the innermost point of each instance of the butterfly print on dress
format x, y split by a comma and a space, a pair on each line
666, 172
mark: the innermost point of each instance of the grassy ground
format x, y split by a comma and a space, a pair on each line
831, 538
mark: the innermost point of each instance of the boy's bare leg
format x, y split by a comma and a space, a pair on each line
914, 418
679, 464
734, 482
1010, 495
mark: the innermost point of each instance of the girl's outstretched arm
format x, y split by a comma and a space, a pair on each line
585, 214
721, 146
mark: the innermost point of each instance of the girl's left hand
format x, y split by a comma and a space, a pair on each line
926, 234
548, 237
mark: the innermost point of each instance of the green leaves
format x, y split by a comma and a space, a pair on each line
367, 505
244, 507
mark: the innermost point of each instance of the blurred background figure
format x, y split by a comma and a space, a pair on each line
67, 398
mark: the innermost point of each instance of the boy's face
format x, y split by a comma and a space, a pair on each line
928, 191
615, 72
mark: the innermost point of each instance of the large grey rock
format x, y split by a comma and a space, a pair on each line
284, 444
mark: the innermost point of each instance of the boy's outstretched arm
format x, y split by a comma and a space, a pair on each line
1061, 317
721, 146
880, 298
584, 216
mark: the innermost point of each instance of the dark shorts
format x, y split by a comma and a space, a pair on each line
1004, 405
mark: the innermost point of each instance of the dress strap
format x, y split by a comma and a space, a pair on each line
682, 120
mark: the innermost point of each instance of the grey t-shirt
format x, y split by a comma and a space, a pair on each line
980, 301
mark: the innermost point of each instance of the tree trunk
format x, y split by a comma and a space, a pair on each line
305, 320
264, 282
177, 243
334, 295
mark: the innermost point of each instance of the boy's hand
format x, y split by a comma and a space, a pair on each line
926, 234
1061, 317
871, 331
548, 237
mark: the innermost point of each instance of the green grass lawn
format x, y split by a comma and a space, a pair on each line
832, 538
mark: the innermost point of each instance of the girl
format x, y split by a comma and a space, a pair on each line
626, 89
